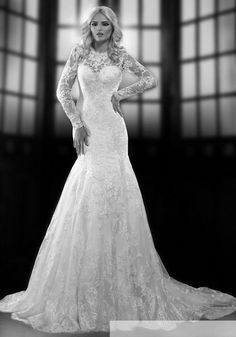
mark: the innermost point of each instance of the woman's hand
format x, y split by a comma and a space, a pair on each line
80, 137
116, 103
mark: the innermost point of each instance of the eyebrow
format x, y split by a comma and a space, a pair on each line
102, 21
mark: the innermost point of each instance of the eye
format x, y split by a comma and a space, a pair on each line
105, 24
93, 24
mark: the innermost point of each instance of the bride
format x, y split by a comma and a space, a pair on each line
97, 261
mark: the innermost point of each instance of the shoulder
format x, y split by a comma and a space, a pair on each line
126, 58
122, 51
77, 51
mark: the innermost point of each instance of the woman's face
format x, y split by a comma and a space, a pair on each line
101, 28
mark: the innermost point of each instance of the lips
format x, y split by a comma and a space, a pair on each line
99, 34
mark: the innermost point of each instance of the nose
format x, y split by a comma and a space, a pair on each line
99, 27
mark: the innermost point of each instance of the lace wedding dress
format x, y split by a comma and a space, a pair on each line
98, 261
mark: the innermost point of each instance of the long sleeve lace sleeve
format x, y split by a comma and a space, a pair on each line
145, 78
64, 87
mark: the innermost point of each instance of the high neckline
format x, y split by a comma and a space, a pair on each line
98, 52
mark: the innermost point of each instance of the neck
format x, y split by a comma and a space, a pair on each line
100, 46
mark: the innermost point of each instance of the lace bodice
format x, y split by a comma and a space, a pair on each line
97, 61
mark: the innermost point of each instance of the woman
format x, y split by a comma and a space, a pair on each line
97, 261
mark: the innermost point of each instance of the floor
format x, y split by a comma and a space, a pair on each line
13, 328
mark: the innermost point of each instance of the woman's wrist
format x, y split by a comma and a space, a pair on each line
78, 125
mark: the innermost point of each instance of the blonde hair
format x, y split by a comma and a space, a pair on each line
114, 47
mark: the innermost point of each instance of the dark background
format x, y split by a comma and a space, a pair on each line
188, 184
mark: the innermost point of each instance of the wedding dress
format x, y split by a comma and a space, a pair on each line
97, 261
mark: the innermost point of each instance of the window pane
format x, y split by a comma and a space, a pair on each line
2, 28
11, 114
130, 41
16, 5
207, 37
226, 4
208, 117
207, 75
188, 46
228, 116
151, 45
188, 9
67, 13
151, 12
226, 32
188, 72
29, 85
14, 39
207, 7
85, 6
151, 120
31, 38
189, 119
130, 111
62, 124
28, 117
1, 70
155, 92
66, 38
228, 73
32, 8
59, 70
1, 112
129, 12
13, 73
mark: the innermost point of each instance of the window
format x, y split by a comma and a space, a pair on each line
19, 20
208, 68
70, 15
141, 27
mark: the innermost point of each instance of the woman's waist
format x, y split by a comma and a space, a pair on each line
101, 120
94, 100
98, 108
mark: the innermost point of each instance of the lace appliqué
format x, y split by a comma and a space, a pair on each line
96, 60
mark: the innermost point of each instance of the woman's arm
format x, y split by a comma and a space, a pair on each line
64, 87
145, 78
